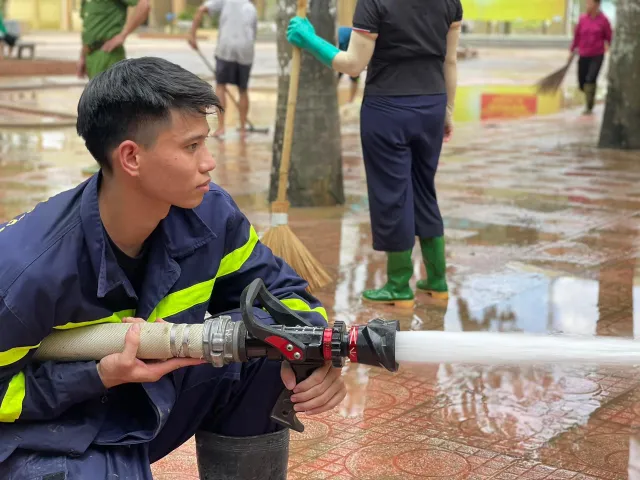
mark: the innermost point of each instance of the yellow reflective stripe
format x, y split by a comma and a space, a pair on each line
182, 300
234, 260
114, 318
15, 354
11, 406
301, 306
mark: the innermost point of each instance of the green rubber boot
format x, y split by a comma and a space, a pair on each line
396, 291
436, 264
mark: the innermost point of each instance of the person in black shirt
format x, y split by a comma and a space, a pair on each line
411, 49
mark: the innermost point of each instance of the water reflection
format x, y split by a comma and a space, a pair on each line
513, 410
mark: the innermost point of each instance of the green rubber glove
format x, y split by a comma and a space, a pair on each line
302, 34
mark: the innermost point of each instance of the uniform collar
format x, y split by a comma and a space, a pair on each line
181, 233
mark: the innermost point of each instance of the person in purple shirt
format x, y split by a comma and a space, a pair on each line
592, 39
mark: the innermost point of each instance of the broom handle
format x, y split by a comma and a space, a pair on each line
292, 100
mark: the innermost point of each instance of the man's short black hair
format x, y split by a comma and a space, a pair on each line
131, 98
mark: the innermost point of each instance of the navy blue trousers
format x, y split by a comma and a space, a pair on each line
401, 143
213, 399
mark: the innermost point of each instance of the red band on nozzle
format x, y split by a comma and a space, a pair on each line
326, 343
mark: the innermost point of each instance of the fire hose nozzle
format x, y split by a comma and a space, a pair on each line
222, 341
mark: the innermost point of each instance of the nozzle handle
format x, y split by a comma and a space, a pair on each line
290, 347
283, 411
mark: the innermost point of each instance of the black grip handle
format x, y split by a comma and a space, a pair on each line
280, 313
283, 411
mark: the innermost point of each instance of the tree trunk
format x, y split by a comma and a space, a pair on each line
621, 122
315, 175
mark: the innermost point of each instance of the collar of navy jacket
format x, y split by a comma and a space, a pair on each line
180, 234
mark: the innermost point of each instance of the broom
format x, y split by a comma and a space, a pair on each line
552, 82
280, 238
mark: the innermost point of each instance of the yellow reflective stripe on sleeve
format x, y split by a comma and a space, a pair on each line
302, 306
15, 354
234, 260
11, 406
182, 300
114, 318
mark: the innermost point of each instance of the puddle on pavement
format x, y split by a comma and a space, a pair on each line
548, 414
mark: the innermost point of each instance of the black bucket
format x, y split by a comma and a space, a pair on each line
263, 457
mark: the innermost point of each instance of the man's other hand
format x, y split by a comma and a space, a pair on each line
125, 367
322, 391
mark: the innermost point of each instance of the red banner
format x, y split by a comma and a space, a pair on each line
507, 105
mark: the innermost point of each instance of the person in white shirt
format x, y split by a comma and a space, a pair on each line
234, 53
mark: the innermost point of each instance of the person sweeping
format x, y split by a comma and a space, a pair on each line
235, 52
406, 114
592, 39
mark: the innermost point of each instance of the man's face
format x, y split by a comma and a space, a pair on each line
592, 6
175, 169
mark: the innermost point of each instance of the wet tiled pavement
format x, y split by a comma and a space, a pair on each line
542, 236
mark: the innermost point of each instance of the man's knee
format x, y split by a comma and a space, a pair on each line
248, 411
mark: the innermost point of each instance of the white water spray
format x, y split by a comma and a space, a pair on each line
492, 348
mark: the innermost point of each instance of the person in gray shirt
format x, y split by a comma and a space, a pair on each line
235, 50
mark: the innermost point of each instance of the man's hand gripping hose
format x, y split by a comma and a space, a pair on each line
221, 341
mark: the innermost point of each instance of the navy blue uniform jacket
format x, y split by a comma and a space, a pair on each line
57, 271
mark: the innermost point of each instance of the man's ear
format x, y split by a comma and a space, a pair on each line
127, 156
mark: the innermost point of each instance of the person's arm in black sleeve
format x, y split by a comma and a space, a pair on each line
38, 391
367, 16
459, 12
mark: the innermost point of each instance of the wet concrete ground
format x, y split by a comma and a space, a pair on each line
542, 236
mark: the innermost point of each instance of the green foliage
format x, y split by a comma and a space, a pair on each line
188, 13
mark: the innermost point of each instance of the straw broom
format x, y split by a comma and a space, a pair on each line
280, 238
552, 82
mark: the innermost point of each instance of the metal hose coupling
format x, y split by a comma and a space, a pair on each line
223, 341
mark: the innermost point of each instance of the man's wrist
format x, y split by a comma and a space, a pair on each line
105, 383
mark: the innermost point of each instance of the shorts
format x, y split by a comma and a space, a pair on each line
353, 79
232, 73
